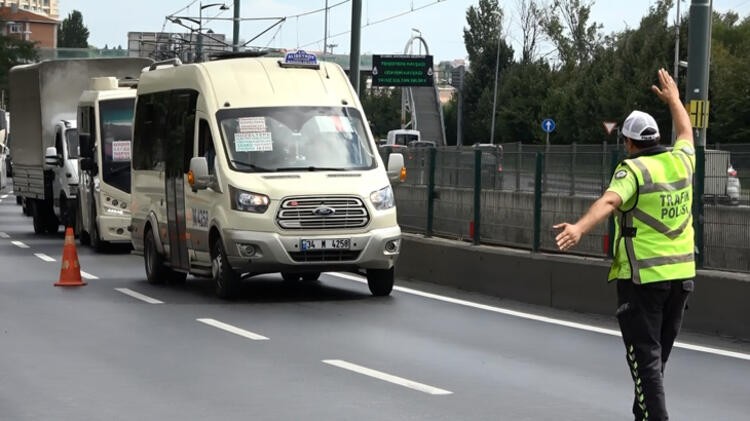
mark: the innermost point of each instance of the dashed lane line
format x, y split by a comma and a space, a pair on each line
388, 377
19, 244
44, 257
139, 296
4, 235
233, 329
5, 196
88, 275
544, 319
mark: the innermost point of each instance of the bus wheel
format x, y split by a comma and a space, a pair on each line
226, 279
310, 276
156, 272
380, 281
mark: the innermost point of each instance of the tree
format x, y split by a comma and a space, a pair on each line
72, 33
483, 37
14, 51
383, 109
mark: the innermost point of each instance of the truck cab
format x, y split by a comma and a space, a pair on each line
62, 161
105, 118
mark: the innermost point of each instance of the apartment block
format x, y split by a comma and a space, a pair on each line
42, 7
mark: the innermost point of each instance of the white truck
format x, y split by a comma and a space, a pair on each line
105, 121
43, 101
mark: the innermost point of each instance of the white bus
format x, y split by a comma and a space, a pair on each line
251, 165
105, 121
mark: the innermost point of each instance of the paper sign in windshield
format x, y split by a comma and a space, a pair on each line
253, 142
252, 124
121, 150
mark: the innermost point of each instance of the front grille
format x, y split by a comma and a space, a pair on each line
325, 255
309, 213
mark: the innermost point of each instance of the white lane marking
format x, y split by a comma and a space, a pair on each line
139, 296
88, 275
44, 257
232, 329
5, 196
4, 235
543, 319
19, 244
388, 377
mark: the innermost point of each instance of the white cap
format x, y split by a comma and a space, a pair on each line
640, 127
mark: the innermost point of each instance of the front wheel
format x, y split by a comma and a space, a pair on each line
226, 279
380, 281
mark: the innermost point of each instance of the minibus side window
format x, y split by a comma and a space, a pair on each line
206, 144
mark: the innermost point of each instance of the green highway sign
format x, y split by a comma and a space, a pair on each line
402, 70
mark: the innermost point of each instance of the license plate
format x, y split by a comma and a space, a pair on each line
326, 244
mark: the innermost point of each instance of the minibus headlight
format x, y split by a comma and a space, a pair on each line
249, 202
383, 198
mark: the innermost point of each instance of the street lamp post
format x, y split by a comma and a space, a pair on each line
497, 70
199, 45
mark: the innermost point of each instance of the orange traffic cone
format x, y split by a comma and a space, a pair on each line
70, 274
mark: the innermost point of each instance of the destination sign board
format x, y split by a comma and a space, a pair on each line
402, 70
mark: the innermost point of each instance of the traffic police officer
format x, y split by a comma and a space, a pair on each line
651, 193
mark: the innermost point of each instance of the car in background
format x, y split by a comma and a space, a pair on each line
422, 144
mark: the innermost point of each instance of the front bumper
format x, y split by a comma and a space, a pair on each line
114, 229
274, 252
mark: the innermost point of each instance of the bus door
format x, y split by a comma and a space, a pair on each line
182, 129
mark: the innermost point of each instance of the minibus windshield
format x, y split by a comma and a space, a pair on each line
295, 139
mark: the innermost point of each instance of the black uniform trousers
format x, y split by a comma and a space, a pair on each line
650, 317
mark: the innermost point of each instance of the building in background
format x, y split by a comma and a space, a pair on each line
166, 45
28, 25
41, 7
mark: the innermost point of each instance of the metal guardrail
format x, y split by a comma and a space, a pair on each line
513, 198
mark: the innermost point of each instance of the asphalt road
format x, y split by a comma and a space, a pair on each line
122, 349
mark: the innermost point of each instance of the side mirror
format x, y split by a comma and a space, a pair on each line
85, 148
198, 176
396, 168
51, 157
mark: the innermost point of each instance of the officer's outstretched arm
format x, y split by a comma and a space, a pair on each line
668, 92
571, 234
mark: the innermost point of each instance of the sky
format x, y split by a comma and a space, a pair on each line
387, 24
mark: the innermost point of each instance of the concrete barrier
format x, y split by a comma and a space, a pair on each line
719, 304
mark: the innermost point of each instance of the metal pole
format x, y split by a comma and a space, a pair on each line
325, 31
355, 38
675, 73
494, 96
236, 27
699, 51
199, 46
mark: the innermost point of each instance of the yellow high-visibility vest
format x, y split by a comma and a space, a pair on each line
657, 233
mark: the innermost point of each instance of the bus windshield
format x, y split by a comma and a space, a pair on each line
116, 119
296, 139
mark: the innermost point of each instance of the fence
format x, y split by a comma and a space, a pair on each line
524, 190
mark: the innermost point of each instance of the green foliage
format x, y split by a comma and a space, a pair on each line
383, 110
14, 51
592, 78
72, 33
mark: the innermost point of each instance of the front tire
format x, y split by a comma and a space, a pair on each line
226, 279
380, 281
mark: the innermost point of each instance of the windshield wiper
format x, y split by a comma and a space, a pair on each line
251, 166
117, 170
310, 168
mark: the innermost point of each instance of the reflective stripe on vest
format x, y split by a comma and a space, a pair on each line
664, 196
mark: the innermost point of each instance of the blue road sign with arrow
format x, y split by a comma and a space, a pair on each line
548, 125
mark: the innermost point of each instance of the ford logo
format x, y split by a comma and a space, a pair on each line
324, 211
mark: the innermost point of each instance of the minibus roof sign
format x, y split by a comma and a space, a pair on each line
300, 58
